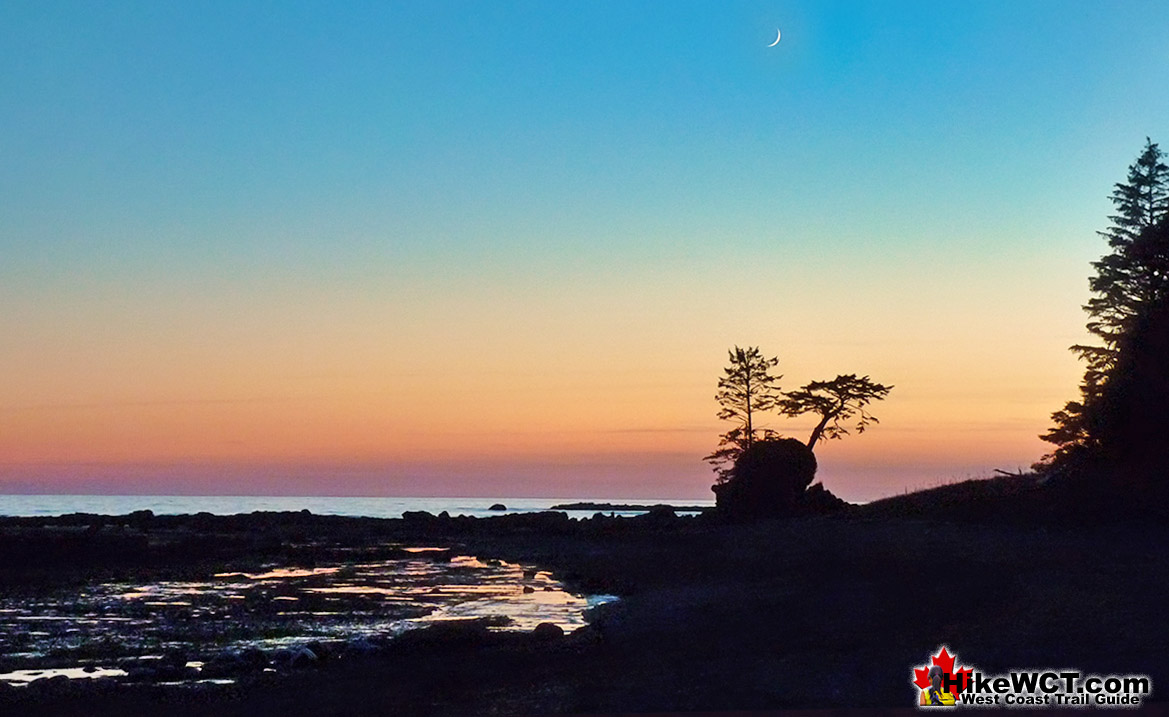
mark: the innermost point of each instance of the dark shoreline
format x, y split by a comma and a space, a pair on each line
713, 617
631, 507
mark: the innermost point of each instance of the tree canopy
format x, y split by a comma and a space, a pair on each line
836, 402
1134, 274
1123, 388
746, 389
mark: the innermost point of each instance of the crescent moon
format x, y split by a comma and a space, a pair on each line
778, 35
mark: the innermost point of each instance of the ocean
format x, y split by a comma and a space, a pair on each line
50, 505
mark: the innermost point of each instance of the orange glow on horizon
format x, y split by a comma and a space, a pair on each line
619, 373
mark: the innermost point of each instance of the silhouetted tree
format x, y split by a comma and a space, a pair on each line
1131, 414
746, 389
1130, 291
1134, 274
836, 402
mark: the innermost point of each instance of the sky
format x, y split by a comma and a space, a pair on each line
502, 249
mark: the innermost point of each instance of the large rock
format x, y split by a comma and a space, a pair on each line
361, 646
447, 634
303, 657
547, 631
659, 516
817, 500
767, 480
234, 662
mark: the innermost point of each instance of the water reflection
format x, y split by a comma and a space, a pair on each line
23, 677
278, 573
89, 633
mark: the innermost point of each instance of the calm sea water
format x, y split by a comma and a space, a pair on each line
47, 505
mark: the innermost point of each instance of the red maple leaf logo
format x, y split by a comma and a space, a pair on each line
944, 660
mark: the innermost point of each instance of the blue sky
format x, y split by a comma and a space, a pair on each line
449, 115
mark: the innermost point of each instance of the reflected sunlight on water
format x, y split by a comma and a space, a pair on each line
23, 677
86, 633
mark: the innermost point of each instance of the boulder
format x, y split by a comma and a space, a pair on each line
160, 672
176, 659
498, 506
552, 522
767, 480
659, 516
303, 657
818, 500
547, 631
231, 663
53, 684
320, 649
141, 674
361, 646
444, 634
254, 657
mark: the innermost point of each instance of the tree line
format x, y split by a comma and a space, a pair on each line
1116, 429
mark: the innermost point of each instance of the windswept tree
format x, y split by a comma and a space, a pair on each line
1130, 295
837, 403
746, 390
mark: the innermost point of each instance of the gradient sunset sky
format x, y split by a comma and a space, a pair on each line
502, 248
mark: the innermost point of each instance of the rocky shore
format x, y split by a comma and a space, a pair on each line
810, 612
631, 507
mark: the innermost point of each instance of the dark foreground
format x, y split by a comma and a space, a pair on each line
813, 612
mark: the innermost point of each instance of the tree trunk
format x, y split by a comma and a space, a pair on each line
750, 428
817, 431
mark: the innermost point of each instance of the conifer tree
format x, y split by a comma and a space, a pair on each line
1130, 292
836, 402
746, 390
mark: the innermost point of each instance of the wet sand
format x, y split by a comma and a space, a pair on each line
813, 612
